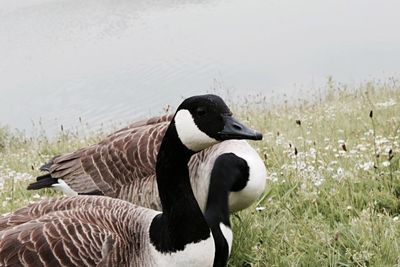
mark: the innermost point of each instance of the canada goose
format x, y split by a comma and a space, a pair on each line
243, 171
123, 166
104, 231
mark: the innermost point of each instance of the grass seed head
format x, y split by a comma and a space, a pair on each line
344, 147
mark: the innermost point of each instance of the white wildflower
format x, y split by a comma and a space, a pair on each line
318, 183
365, 166
313, 152
386, 163
273, 177
269, 134
369, 132
309, 142
386, 104
260, 208
301, 165
362, 147
310, 168
23, 176
36, 196
303, 186
279, 140
381, 140
340, 172
387, 149
318, 179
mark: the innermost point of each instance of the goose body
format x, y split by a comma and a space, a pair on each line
104, 231
123, 166
89, 231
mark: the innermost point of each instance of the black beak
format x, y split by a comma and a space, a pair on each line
233, 129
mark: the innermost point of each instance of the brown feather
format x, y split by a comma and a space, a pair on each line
75, 231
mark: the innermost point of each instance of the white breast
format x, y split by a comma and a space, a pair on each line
201, 171
257, 176
194, 254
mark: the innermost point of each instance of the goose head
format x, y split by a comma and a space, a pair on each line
204, 120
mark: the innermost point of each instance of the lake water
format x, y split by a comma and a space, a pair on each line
118, 60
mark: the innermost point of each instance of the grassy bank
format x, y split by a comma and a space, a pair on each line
333, 191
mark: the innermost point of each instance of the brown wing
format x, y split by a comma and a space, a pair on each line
151, 121
79, 231
122, 158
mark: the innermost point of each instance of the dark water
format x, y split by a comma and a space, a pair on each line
119, 60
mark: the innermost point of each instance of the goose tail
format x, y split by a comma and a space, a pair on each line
46, 181
43, 181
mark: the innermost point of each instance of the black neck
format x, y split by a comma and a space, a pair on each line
181, 221
228, 170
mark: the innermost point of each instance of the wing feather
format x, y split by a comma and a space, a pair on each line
120, 159
75, 232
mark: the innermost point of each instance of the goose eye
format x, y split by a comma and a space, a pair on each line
200, 112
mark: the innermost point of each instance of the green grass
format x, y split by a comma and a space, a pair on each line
333, 191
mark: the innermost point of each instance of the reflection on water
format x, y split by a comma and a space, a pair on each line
120, 60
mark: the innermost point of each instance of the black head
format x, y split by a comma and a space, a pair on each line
204, 120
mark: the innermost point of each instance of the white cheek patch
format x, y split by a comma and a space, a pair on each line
189, 134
